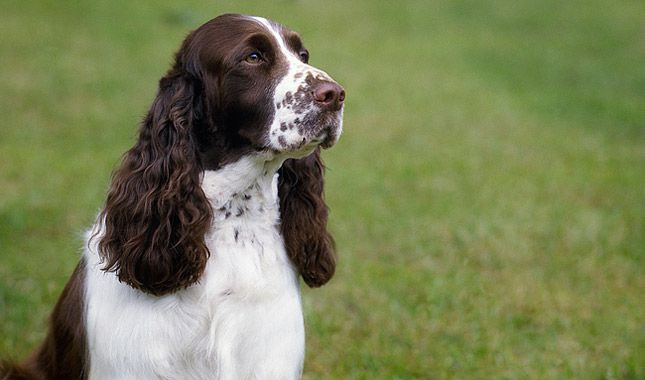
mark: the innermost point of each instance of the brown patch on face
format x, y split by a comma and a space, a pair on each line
237, 96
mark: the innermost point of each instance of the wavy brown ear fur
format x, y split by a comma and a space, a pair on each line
304, 218
156, 214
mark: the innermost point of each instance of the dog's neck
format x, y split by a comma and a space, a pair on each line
250, 180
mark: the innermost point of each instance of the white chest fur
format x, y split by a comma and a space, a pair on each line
242, 320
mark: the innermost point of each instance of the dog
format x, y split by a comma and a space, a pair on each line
192, 268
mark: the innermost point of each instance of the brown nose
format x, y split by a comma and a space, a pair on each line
329, 95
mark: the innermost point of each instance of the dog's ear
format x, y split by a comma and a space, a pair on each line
304, 218
156, 214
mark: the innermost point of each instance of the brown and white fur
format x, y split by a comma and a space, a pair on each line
192, 268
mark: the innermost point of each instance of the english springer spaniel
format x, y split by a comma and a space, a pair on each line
192, 268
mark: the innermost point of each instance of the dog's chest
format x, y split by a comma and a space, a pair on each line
243, 319
248, 257
256, 323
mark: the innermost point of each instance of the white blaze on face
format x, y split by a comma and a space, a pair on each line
291, 128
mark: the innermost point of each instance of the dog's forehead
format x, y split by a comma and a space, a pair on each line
228, 30
283, 35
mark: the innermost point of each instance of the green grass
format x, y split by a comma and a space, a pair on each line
487, 196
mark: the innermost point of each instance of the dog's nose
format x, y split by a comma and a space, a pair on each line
329, 95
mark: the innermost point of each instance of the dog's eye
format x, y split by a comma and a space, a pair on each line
304, 56
253, 58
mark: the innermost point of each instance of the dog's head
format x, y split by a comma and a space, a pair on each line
259, 91
239, 86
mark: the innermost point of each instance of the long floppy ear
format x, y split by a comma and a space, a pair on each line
304, 219
156, 214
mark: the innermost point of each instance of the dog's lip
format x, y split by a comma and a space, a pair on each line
330, 136
328, 142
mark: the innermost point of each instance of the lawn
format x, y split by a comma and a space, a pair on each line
487, 196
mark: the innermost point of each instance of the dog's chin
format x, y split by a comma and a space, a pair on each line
297, 150
303, 151
325, 139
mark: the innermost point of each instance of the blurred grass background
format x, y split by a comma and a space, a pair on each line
487, 197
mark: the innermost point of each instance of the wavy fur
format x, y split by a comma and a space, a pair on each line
156, 214
304, 219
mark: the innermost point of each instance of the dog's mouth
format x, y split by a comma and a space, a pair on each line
316, 128
328, 128
330, 137
327, 137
